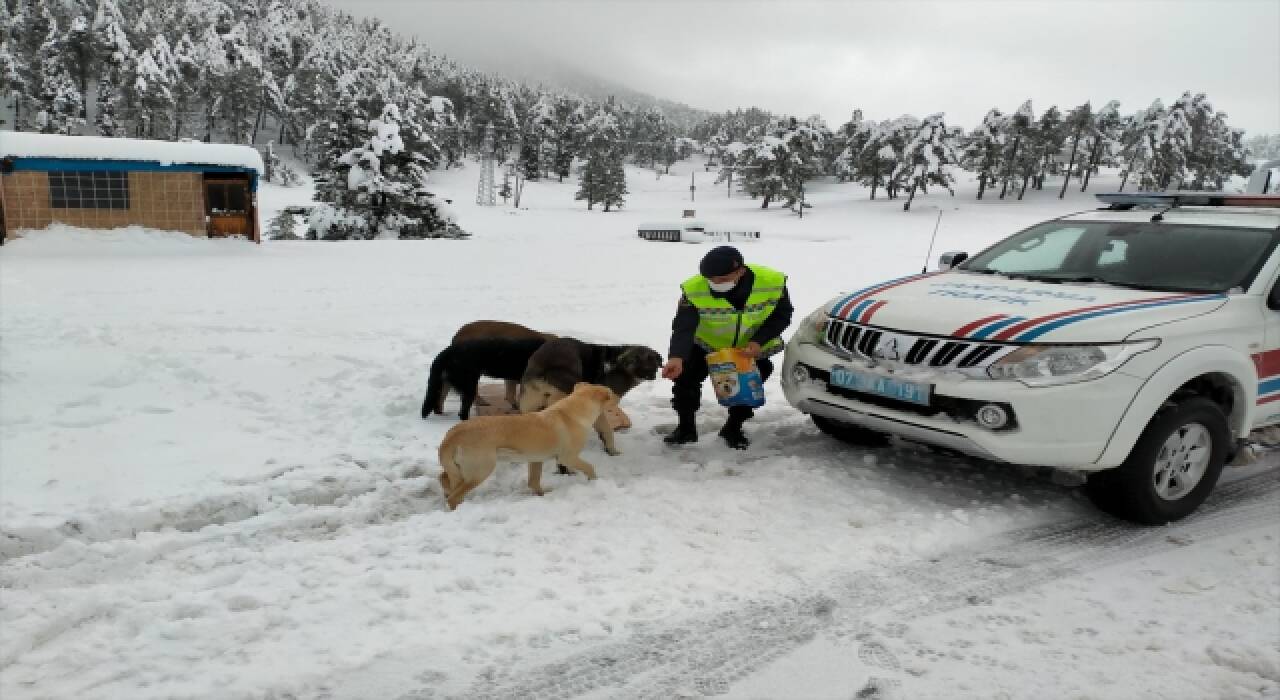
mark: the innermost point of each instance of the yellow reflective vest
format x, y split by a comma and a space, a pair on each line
720, 325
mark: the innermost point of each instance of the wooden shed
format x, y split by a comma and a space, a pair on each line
196, 188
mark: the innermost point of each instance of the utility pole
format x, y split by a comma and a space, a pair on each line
692, 189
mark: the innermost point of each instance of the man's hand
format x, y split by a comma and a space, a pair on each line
752, 350
673, 368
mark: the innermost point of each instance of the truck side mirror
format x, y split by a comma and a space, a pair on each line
946, 261
1273, 299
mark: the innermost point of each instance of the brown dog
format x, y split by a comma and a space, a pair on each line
484, 330
470, 451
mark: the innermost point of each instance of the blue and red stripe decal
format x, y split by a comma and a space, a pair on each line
1029, 329
984, 327
1268, 364
854, 305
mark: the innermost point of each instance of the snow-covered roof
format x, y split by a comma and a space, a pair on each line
681, 224
30, 145
673, 225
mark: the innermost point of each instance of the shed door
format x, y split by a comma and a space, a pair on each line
229, 205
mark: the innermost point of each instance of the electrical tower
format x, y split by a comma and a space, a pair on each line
486, 191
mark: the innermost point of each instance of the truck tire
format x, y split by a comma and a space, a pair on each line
851, 434
1172, 468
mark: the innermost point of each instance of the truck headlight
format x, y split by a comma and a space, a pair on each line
1045, 365
813, 328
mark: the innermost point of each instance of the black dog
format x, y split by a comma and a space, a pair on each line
562, 362
461, 365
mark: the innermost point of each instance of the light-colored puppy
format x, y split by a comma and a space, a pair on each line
471, 450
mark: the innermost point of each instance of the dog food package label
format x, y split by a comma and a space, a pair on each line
736, 380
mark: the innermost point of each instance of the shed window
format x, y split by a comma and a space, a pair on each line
89, 190
227, 197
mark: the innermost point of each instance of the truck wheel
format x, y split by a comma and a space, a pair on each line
851, 434
1172, 468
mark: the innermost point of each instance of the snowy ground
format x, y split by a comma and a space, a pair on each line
214, 483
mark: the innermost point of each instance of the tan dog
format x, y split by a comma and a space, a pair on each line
470, 451
485, 329
556, 367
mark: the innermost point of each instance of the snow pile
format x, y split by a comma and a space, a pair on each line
32, 145
62, 240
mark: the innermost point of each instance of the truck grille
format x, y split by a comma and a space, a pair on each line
910, 350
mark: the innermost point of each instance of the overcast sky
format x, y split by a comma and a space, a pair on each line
888, 58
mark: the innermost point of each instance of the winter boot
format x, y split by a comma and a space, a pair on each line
732, 430
686, 431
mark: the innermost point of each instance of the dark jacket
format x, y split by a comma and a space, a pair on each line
685, 324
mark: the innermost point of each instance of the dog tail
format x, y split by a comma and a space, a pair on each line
437, 388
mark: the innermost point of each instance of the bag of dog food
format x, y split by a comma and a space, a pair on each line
736, 380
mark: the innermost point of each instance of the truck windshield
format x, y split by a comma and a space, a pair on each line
1157, 256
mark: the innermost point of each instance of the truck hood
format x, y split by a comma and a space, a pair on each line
983, 307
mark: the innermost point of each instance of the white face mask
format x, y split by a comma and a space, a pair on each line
722, 287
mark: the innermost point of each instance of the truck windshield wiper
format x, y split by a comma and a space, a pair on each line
1090, 279
1010, 275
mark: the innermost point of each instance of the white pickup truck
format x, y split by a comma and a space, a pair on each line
1139, 342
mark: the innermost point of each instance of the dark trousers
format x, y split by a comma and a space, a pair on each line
686, 394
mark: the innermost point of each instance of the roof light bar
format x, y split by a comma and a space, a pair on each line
1164, 200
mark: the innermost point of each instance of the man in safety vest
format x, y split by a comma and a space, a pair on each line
729, 304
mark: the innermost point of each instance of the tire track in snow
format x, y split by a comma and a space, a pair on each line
706, 655
304, 502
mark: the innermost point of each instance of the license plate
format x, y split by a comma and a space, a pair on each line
888, 387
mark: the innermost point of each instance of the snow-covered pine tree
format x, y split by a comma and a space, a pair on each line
1172, 146
12, 84
1219, 154
846, 143
336, 217
537, 150
602, 178
530, 162
570, 126
1046, 142
282, 227
1137, 142
873, 164
1018, 131
151, 89
776, 165
439, 115
983, 149
214, 68
114, 55
57, 98
926, 158
1078, 127
242, 88
728, 155
79, 56
1108, 126
187, 72
384, 189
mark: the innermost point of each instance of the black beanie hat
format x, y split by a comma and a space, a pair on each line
720, 260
